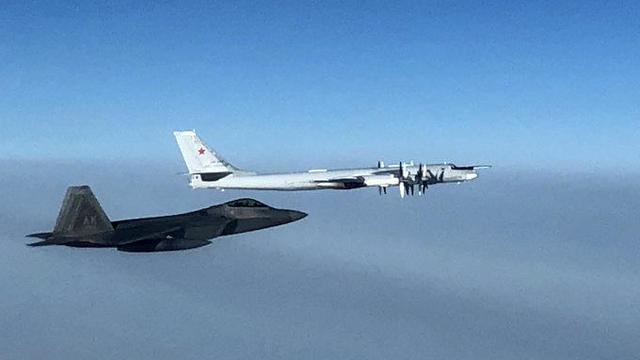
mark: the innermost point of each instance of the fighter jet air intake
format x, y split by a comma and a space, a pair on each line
82, 223
207, 169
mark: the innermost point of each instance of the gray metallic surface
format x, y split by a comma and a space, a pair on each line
82, 223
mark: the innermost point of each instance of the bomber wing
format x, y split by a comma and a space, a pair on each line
343, 182
360, 181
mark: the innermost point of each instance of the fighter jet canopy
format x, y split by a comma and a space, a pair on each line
246, 203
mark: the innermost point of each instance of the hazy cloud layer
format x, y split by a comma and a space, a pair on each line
512, 265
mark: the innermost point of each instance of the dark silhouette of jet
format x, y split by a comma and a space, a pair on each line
82, 223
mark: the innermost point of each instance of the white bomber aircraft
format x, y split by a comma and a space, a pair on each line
208, 170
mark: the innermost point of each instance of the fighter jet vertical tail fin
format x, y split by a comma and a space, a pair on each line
198, 156
81, 214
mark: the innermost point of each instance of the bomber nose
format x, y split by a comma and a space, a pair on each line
471, 176
296, 215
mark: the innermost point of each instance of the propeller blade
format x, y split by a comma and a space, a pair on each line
402, 169
401, 187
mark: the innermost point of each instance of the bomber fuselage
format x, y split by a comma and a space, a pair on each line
321, 178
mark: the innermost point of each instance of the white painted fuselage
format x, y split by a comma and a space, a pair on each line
329, 179
208, 170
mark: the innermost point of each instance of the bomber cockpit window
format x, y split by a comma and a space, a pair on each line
246, 203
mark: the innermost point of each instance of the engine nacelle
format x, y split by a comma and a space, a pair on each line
380, 180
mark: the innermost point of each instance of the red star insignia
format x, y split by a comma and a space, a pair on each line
201, 151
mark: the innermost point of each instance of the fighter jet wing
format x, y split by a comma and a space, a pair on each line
155, 235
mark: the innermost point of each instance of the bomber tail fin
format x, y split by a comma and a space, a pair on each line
199, 157
81, 214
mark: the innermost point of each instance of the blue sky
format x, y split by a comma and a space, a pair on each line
515, 264
316, 84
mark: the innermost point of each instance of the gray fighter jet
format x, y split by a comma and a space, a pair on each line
82, 223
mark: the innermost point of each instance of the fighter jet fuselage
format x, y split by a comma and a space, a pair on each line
83, 223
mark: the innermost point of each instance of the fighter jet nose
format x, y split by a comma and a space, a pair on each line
296, 215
